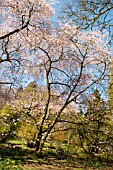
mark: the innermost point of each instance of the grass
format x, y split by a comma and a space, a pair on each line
19, 157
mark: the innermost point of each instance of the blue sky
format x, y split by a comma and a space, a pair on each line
58, 6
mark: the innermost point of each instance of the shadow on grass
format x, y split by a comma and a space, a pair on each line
17, 154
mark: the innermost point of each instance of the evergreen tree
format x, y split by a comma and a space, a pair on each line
110, 91
95, 129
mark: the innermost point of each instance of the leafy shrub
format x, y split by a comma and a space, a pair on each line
9, 164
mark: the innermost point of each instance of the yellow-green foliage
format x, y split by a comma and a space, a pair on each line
5, 115
27, 130
59, 136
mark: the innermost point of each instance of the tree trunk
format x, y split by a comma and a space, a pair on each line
37, 145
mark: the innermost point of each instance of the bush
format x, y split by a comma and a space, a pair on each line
9, 164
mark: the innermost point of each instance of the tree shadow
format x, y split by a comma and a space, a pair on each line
15, 153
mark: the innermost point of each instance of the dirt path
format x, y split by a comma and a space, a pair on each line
63, 165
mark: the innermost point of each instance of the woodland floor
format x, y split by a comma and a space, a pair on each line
18, 158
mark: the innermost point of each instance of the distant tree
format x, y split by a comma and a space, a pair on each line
9, 120
110, 90
9, 123
95, 128
5, 95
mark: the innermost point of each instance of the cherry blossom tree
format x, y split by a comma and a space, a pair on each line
66, 60
71, 68
70, 62
23, 23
